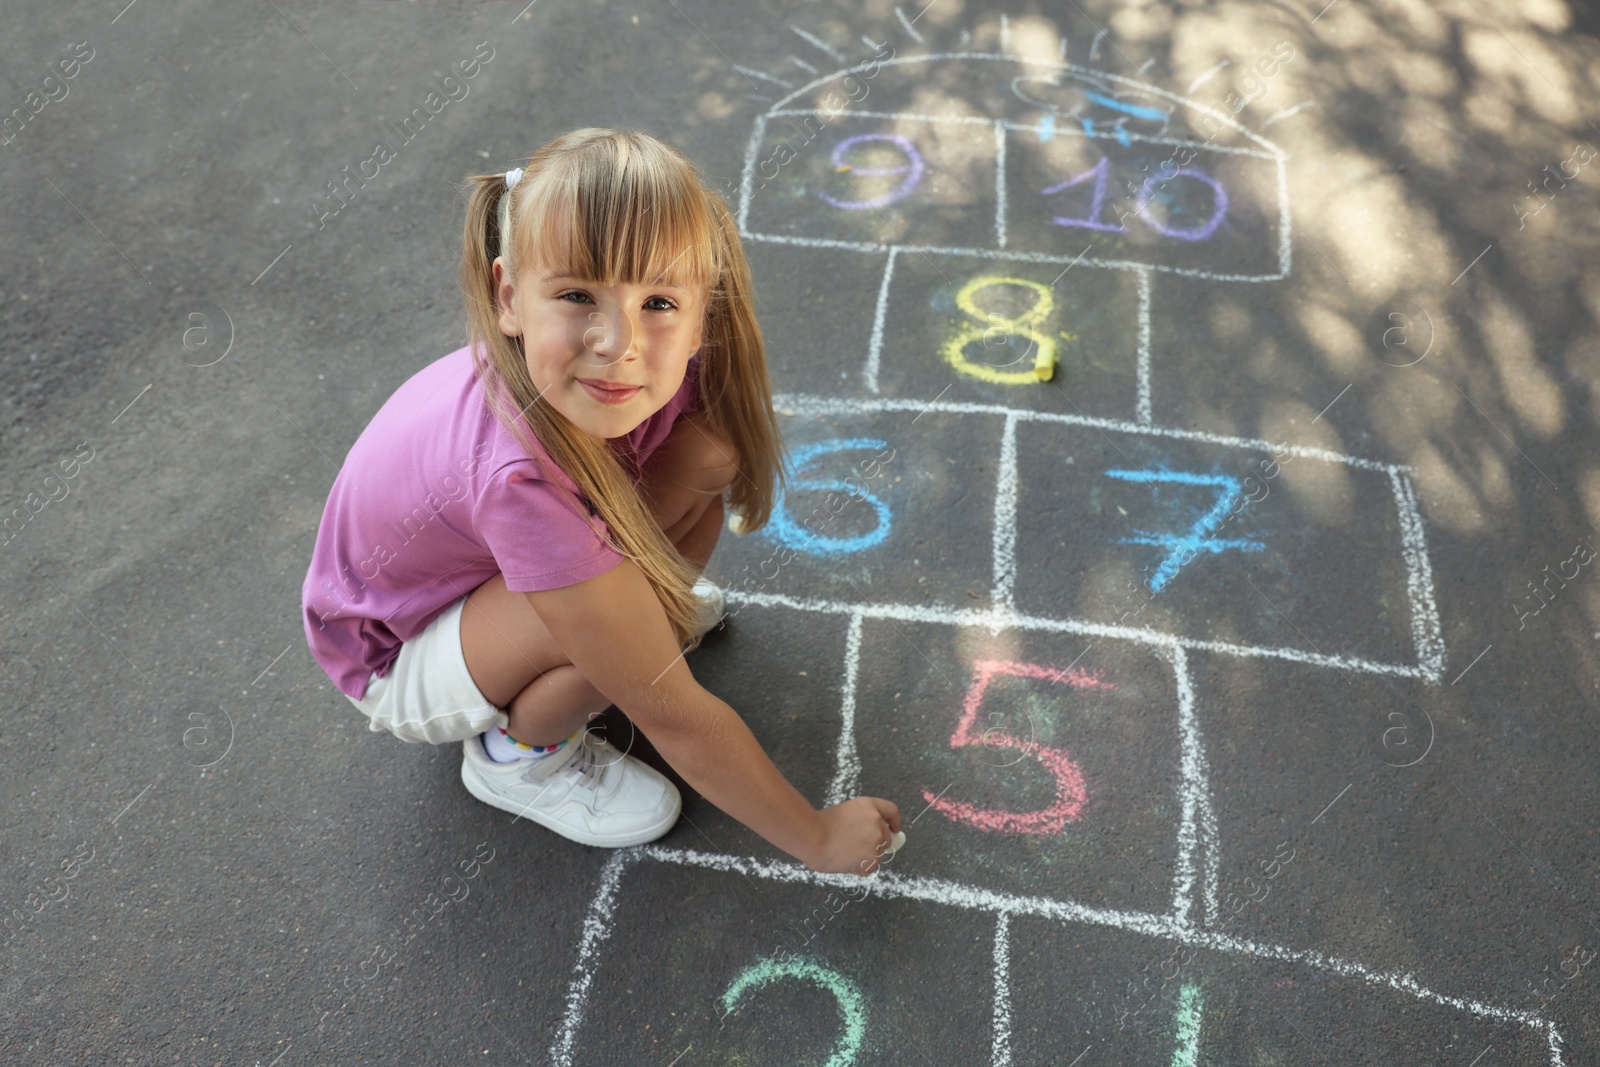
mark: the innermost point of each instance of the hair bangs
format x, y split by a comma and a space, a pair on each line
610, 215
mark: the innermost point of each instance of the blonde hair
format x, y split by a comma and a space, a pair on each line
619, 206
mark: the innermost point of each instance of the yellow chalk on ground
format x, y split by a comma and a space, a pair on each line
1044, 365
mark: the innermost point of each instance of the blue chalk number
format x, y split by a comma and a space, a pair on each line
801, 535
1181, 548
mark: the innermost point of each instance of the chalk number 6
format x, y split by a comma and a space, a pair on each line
787, 531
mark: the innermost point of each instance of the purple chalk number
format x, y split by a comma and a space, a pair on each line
1196, 233
1091, 221
912, 170
1097, 203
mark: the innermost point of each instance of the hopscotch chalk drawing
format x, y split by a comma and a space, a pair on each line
883, 189
1036, 179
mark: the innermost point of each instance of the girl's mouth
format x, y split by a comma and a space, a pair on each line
610, 396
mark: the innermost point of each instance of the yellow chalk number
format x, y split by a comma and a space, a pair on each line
992, 324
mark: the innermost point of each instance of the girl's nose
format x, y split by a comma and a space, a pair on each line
609, 334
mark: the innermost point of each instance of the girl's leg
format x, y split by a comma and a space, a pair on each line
510, 654
701, 540
683, 484
518, 666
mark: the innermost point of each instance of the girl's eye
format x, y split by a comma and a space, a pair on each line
653, 299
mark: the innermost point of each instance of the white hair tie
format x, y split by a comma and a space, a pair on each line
512, 177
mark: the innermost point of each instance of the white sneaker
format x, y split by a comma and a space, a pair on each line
711, 614
588, 792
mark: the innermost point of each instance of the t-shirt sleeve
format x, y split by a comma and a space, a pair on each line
538, 532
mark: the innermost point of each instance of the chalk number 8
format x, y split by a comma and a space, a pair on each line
993, 328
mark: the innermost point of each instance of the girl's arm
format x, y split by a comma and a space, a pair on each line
615, 632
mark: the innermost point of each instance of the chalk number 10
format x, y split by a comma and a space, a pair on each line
1094, 220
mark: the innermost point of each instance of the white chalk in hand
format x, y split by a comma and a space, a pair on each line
736, 523
895, 841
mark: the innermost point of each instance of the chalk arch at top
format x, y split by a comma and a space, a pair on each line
1003, 157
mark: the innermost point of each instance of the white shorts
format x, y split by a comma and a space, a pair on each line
428, 694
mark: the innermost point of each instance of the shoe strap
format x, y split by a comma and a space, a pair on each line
587, 762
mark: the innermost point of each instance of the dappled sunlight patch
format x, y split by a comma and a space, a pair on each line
1037, 38
1322, 491
1448, 500
1354, 222
1337, 339
1514, 58
1494, 477
1523, 384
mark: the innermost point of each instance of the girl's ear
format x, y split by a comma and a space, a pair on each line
503, 291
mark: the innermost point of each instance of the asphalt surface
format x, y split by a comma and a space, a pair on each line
1239, 676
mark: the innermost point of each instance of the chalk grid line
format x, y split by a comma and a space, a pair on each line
1000, 184
1089, 73
1005, 519
1001, 1044
875, 341
875, 248
890, 886
812, 404
1003, 126
1142, 359
847, 762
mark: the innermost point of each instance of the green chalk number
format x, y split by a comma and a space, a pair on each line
1190, 1003
852, 1005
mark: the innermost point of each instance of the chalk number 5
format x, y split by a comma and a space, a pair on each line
1069, 788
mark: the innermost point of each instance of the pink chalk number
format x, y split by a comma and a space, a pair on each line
1063, 768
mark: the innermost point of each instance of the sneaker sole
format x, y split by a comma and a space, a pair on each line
486, 793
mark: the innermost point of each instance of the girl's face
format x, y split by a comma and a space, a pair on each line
606, 356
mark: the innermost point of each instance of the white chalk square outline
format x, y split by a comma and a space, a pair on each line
1002, 613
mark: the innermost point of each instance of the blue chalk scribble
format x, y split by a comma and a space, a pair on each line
1047, 128
1181, 548
1151, 113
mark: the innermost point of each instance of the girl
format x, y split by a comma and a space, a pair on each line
514, 540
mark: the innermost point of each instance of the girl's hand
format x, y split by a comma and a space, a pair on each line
855, 835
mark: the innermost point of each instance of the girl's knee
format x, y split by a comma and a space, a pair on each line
697, 457
718, 459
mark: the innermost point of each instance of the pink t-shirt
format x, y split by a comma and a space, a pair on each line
434, 499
